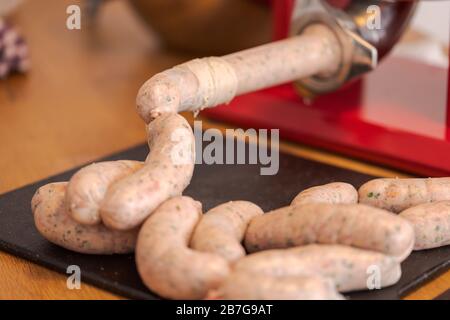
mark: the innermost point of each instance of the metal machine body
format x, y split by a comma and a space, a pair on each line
398, 115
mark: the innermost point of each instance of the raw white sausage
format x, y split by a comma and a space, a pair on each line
348, 267
53, 222
333, 193
397, 195
348, 224
88, 187
247, 286
431, 222
222, 229
166, 264
167, 172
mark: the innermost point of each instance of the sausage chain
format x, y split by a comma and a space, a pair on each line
54, 223
165, 262
167, 171
87, 203
88, 187
182, 254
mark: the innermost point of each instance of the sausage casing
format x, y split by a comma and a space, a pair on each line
88, 187
167, 172
353, 225
166, 264
53, 222
397, 195
222, 229
333, 193
247, 286
348, 267
431, 222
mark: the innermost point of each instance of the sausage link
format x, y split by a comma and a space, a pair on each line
397, 195
167, 172
88, 187
54, 224
166, 264
348, 267
348, 224
222, 229
247, 286
431, 223
333, 193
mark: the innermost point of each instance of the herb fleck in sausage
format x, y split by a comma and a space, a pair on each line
165, 262
222, 229
53, 222
397, 195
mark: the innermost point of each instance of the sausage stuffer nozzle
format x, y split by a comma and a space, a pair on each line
327, 48
367, 30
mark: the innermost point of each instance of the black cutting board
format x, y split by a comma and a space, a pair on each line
212, 185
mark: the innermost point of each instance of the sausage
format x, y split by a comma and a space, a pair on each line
348, 224
431, 223
333, 193
165, 262
348, 267
88, 187
54, 224
247, 286
222, 229
208, 82
167, 172
397, 195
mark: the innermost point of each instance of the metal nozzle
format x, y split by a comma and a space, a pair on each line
362, 43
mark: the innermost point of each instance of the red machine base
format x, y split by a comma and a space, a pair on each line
397, 117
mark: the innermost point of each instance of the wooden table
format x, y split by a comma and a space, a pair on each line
76, 105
